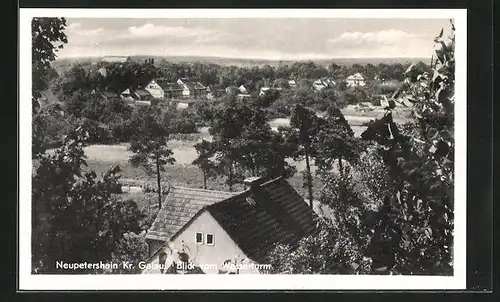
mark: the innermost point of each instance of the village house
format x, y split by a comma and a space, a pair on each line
191, 88
171, 90
355, 80
243, 89
318, 85
210, 228
292, 84
185, 103
329, 82
264, 90
155, 90
321, 84
128, 95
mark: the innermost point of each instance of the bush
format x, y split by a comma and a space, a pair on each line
182, 125
98, 132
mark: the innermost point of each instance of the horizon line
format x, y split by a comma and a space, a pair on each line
239, 58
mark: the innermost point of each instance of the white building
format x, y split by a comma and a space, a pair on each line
355, 80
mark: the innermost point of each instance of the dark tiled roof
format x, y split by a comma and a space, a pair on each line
143, 93
168, 86
194, 85
180, 206
258, 219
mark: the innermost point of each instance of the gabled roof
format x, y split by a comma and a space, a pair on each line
192, 85
257, 219
180, 206
126, 91
356, 76
168, 86
142, 93
243, 89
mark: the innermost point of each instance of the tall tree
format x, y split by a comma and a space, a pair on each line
227, 126
149, 144
205, 151
47, 39
304, 126
264, 152
335, 141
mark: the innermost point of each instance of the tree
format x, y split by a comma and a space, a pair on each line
264, 152
304, 125
205, 151
76, 216
48, 38
149, 145
131, 249
329, 251
414, 233
335, 141
226, 128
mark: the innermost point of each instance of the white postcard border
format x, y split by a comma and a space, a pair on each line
27, 281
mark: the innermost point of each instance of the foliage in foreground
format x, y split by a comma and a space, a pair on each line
411, 232
76, 216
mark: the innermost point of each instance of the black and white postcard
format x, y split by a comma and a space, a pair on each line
242, 149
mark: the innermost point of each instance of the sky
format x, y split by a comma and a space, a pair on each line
274, 39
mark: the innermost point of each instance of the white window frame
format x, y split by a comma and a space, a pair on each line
196, 238
206, 239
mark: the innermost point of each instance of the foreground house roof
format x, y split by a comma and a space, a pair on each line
180, 207
259, 218
256, 219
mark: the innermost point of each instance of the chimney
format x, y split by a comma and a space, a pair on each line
252, 182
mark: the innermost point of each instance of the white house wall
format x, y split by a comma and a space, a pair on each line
155, 90
209, 257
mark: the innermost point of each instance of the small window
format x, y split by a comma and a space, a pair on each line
210, 239
199, 238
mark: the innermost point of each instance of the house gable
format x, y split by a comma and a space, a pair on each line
243, 227
259, 218
155, 90
209, 257
179, 207
355, 80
